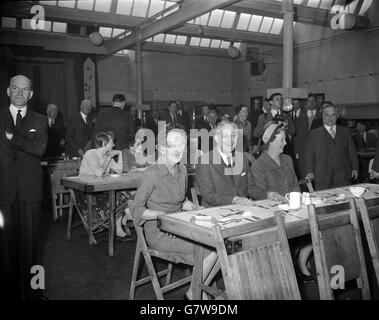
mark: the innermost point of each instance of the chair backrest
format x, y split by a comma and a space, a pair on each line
59, 171
261, 271
195, 191
369, 211
308, 183
337, 248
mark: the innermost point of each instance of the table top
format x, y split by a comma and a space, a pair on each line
296, 220
105, 183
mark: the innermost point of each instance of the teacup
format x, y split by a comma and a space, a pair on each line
294, 200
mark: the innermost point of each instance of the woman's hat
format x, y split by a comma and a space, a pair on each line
269, 131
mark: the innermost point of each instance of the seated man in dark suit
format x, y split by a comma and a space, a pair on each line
118, 121
55, 132
79, 130
224, 175
331, 158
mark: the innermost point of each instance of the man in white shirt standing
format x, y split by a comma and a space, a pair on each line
331, 158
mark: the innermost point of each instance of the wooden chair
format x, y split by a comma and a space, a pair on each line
60, 199
148, 254
369, 211
263, 268
336, 241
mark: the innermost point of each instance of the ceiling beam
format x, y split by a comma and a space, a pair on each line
270, 8
49, 41
189, 10
191, 30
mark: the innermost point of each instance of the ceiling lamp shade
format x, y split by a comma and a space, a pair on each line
233, 52
96, 39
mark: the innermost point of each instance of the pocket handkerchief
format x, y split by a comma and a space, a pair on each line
32, 130
243, 173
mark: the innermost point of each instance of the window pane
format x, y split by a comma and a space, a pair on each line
159, 38
105, 32
365, 7
124, 7
182, 40
66, 4
103, 5
26, 24
170, 38
140, 8
243, 21
117, 31
277, 26
202, 20
225, 44
49, 3
215, 18
85, 4
215, 43
59, 27
266, 24
155, 7
205, 42
255, 23
194, 41
8, 22
313, 3
326, 4
228, 20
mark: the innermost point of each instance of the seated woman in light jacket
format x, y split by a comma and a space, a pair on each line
274, 176
163, 189
98, 162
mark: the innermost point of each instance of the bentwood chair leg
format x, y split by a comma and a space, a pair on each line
137, 259
169, 273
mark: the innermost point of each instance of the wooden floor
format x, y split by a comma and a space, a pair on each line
75, 271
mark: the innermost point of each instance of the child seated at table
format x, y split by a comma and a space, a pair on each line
98, 162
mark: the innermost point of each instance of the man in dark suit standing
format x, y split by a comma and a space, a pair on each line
23, 140
184, 117
331, 158
307, 120
203, 122
364, 139
55, 132
79, 131
152, 122
224, 175
118, 121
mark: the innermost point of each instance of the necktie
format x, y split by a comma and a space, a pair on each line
18, 119
229, 161
332, 132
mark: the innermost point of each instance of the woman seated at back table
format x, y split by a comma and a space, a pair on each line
162, 190
274, 176
98, 162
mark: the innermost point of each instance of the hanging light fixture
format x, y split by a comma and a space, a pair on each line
96, 38
233, 52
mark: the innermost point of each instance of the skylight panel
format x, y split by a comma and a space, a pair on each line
155, 7
365, 7
26, 24
313, 3
215, 18
60, 27
237, 45
326, 4
170, 38
195, 41
169, 4
7, 22
105, 32
149, 39
49, 3
85, 4
205, 42
103, 5
351, 7
117, 31
181, 40
124, 7
243, 21
225, 44
66, 3
277, 26
228, 19
140, 8
215, 43
266, 24
202, 20
255, 23
159, 38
